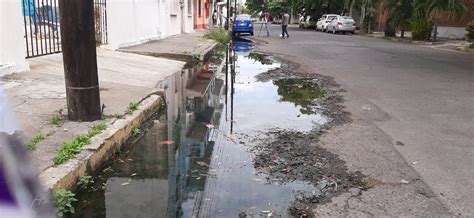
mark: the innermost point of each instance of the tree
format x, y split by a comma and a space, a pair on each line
421, 22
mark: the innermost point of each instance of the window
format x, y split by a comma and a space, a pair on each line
174, 7
200, 8
190, 7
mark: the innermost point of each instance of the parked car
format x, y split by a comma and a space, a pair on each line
243, 24
323, 22
308, 23
342, 24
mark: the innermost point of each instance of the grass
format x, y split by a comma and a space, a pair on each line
64, 199
96, 129
219, 35
110, 116
133, 106
70, 149
35, 140
55, 120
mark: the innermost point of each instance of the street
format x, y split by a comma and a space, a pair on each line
412, 108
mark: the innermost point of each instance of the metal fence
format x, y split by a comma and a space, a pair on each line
42, 26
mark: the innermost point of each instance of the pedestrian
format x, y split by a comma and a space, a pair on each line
214, 18
284, 25
267, 22
221, 19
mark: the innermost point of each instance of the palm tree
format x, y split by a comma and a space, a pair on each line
422, 21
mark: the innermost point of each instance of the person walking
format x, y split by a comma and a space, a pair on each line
214, 18
284, 25
267, 22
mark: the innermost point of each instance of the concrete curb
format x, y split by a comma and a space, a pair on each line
200, 52
102, 147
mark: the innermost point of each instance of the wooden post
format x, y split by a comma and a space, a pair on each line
80, 59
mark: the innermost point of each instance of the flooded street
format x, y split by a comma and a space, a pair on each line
206, 156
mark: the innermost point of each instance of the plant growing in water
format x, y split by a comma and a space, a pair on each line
84, 182
64, 199
136, 132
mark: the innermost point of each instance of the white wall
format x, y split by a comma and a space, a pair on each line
12, 41
451, 32
132, 22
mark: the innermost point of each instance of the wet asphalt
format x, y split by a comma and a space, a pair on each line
413, 105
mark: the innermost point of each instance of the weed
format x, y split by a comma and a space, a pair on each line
110, 116
96, 129
162, 104
64, 199
84, 182
133, 106
35, 140
220, 35
70, 149
136, 132
55, 120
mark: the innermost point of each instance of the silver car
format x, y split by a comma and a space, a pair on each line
323, 22
342, 24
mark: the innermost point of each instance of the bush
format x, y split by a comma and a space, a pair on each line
421, 29
220, 35
470, 30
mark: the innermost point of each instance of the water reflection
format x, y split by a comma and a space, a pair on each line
195, 162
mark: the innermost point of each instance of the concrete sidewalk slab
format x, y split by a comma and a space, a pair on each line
38, 94
185, 47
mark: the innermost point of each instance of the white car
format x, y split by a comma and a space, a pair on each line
342, 24
323, 22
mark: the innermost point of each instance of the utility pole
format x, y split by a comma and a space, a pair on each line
80, 59
228, 15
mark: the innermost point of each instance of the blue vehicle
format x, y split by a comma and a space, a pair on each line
242, 24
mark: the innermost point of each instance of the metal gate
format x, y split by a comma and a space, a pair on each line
42, 26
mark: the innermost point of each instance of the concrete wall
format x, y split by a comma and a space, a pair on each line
132, 22
12, 41
451, 32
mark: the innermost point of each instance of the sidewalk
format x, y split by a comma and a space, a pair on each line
38, 96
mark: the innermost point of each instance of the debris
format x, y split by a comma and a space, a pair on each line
133, 174
167, 142
210, 126
403, 181
202, 164
414, 162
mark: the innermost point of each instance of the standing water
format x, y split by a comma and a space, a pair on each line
197, 160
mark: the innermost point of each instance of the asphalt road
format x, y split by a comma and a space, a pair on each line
409, 102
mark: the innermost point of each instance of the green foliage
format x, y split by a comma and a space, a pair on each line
470, 32
136, 132
70, 149
421, 28
56, 118
64, 199
300, 92
133, 106
96, 129
219, 35
84, 182
110, 116
471, 45
35, 140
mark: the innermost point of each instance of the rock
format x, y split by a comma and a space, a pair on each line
354, 191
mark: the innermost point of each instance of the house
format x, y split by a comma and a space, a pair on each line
202, 11
12, 42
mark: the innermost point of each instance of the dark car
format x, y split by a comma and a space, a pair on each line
243, 24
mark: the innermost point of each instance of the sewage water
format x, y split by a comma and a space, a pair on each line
197, 160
